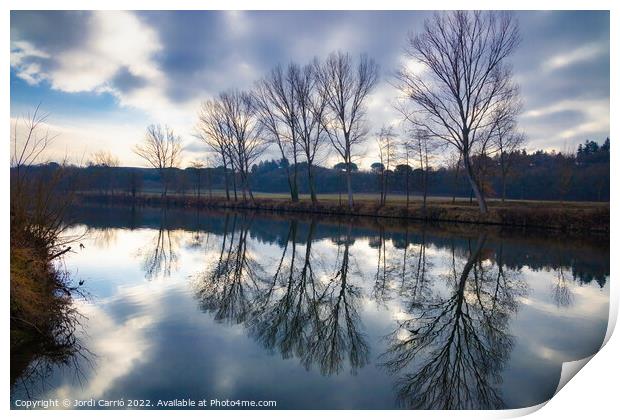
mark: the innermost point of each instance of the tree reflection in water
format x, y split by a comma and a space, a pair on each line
403, 275
291, 312
448, 349
456, 345
339, 332
160, 256
230, 288
560, 289
439, 305
102, 237
285, 314
36, 352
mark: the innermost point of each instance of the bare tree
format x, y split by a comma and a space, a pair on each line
507, 140
345, 87
42, 309
196, 167
465, 79
38, 202
565, 172
104, 158
310, 115
212, 130
406, 155
275, 101
27, 151
161, 149
387, 156
209, 172
245, 130
100, 163
134, 182
423, 148
454, 163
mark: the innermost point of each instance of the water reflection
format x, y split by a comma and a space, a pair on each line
459, 339
37, 352
343, 313
289, 310
160, 254
450, 345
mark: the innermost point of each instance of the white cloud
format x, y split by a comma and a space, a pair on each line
237, 23
580, 54
116, 41
113, 359
595, 123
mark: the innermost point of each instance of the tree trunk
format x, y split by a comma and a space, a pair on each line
349, 188
424, 187
381, 188
246, 179
474, 184
226, 182
295, 190
164, 182
288, 171
311, 184
503, 171
290, 184
456, 180
407, 183
386, 181
425, 177
234, 180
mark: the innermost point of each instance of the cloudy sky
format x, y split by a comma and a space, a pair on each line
104, 76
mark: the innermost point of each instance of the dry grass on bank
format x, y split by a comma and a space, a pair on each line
565, 216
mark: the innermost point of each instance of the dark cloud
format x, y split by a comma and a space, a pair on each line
553, 122
549, 34
204, 52
125, 81
208, 51
191, 43
49, 32
52, 31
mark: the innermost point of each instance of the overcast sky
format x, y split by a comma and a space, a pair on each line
104, 76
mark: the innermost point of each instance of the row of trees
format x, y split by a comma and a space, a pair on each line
539, 175
459, 108
297, 109
463, 100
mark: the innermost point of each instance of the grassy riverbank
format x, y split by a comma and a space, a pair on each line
42, 316
562, 216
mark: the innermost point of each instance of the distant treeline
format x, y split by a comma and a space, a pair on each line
540, 175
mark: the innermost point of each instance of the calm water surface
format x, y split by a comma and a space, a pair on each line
316, 313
